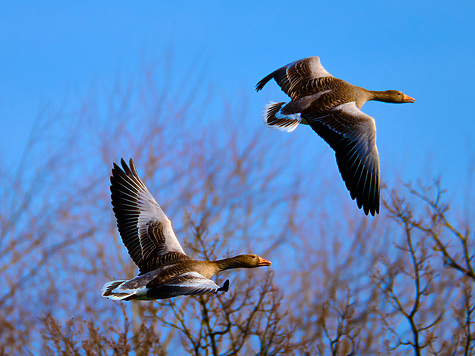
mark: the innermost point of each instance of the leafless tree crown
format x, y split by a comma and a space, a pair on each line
340, 284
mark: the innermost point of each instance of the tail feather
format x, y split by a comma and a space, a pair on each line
283, 123
107, 291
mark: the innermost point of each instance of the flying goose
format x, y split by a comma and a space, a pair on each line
165, 270
331, 107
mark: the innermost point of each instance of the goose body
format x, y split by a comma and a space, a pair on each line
165, 270
331, 106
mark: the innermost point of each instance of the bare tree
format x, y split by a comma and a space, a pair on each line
341, 284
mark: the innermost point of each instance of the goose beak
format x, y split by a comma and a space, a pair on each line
264, 262
408, 99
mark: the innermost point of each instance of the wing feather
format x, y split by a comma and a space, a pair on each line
143, 226
299, 78
352, 135
190, 283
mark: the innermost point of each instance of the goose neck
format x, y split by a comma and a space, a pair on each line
378, 95
228, 263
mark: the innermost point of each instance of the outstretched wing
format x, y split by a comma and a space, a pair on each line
190, 283
297, 79
145, 229
352, 135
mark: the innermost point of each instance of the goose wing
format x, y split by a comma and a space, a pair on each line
189, 283
352, 135
143, 226
299, 78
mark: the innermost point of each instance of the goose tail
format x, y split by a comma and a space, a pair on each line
109, 288
273, 117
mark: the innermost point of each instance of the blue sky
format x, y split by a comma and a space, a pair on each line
54, 53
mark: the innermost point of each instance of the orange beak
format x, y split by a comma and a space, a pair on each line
264, 262
408, 99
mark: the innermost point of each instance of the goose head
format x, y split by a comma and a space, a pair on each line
252, 261
395, 96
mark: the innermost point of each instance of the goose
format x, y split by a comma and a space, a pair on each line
331, 106
165, 270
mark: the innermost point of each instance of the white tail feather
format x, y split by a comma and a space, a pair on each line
109, 287
274, 119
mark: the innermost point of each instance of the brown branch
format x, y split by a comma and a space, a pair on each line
206, 321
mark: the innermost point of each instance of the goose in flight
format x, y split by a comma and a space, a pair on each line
165, 270
331, 107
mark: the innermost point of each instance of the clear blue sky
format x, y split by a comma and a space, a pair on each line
53, 52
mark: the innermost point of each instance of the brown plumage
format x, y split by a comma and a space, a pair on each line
331, 107
165, 270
